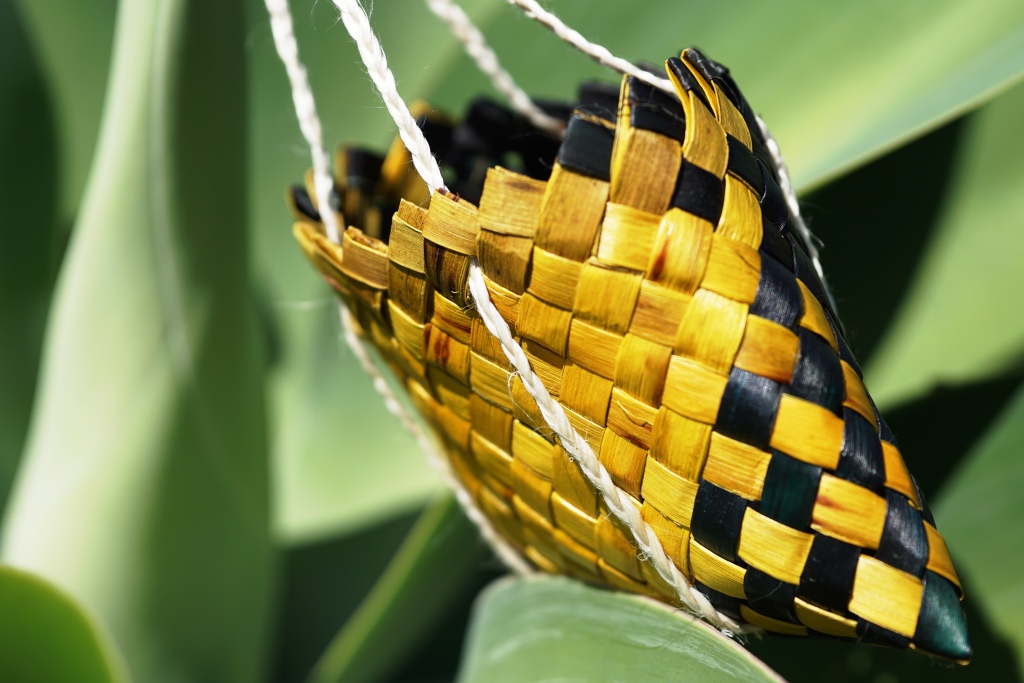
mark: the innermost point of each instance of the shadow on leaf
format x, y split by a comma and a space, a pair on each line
875, 223
937, 430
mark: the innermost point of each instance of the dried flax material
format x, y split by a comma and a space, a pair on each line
693, 357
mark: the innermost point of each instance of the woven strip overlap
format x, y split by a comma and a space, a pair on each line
652, 278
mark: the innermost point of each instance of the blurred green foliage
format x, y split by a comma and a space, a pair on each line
205, 486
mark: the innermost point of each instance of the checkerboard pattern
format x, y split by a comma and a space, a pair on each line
651, 274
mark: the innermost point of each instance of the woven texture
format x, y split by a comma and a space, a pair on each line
647, 267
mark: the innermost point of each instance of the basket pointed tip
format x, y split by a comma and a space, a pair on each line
942, 624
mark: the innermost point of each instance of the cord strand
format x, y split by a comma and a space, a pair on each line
786, 185
305, 111
475, 45
598, 53
372, 54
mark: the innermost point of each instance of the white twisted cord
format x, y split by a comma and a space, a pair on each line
372, 54
305, 110
598, 53
486, 59
791, 200
576, 446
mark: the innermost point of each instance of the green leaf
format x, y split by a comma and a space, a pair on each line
73, 40
557, 629
960, 317
838, 84
143, 492
979, 513
28, 170
341, 462
46, 636
434, 565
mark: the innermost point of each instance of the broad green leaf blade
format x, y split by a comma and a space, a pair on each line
960, 318
73, 41
143, 492
557, 629
434, 565
838, 84
45, 636
28, 171
980, 513
341, 462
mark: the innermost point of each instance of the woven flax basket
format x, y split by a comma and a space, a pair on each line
647, 266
